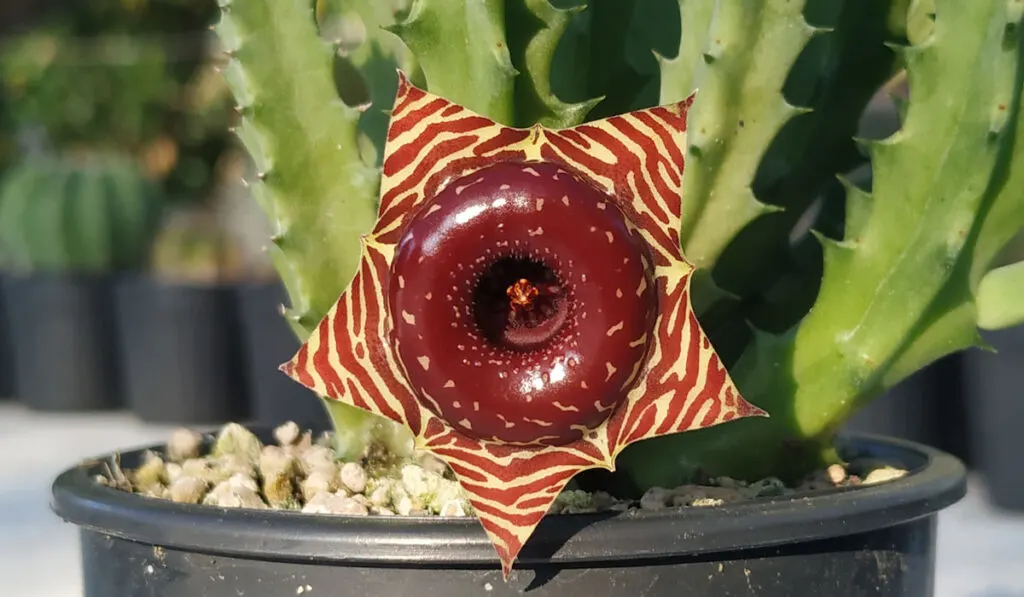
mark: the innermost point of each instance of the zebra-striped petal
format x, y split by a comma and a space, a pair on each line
369, 350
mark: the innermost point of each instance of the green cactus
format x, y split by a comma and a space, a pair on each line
813, 327
93, 214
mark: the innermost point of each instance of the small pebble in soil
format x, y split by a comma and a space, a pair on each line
318, 482
404, 506
187, 490
214, 469
881, 475
381, 494
278, 468
235, 440
695, 495
335, 503
317, 458
353, 477
288, 434
184, 444
655, 498
235, 493
297, 473
453, 508
151, 476
173, 471
703, 502
836, 474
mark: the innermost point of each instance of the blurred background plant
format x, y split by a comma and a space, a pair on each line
128, 242
134, 76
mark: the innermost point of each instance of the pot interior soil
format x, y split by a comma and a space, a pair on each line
296, 471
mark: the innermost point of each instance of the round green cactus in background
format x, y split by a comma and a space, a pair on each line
91, 214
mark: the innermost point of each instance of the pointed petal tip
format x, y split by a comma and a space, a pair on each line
288, 368
508, 555
403, 80
682, 107
746, 409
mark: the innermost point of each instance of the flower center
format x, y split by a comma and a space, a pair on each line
520, 303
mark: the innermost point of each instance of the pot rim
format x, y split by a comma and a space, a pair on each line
936, 481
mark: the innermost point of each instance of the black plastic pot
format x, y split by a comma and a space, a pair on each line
63, 342
268, 341
928, 407
182, 361
869, 541
6, 350
995, 383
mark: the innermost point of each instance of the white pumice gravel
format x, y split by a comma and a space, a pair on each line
294, 472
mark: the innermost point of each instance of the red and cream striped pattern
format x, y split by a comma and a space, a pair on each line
638, 159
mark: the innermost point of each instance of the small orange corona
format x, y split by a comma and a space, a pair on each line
521, 294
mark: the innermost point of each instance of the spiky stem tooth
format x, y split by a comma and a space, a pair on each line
317, 191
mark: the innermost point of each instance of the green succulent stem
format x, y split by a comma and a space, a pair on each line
771, 280
313, 184
535, 30
678, 74
368, 56
899, 290
463, 51
741, 108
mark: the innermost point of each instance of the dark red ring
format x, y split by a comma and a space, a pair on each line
567, 377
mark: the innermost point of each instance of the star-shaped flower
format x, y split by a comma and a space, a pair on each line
522, 304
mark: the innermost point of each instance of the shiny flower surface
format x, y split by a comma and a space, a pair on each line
522, 304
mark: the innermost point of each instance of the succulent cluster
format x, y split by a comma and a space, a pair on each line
816, 293
92, 214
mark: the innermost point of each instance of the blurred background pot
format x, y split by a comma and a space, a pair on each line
68, 223
929, 407
179, 329
64, 354
6, 349
180, 352
82, 84
268, 342
996, 386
